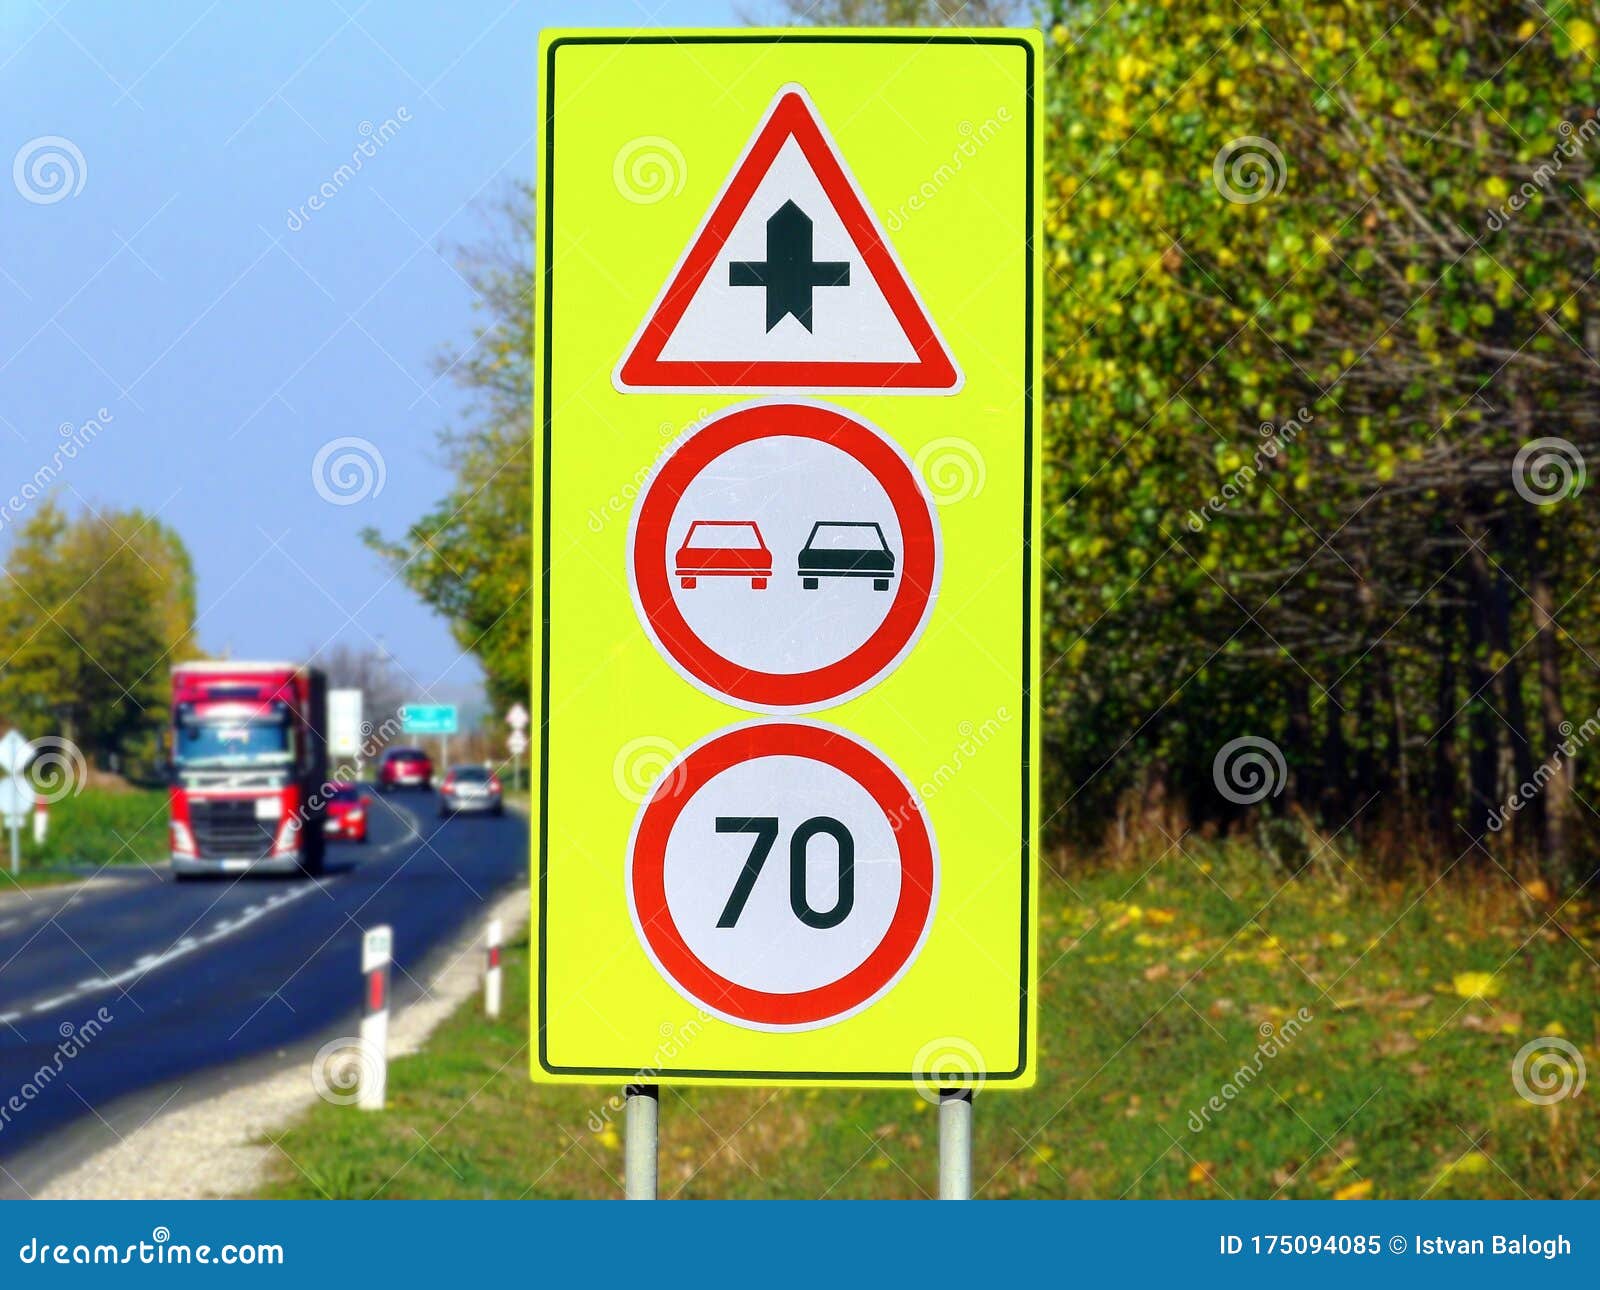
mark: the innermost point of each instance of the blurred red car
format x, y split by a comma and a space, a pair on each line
405, 768
347, 813
723, 549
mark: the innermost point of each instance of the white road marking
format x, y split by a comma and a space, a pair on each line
181, 949
189, 944
45, 1004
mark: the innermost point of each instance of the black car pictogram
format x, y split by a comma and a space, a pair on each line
846, 549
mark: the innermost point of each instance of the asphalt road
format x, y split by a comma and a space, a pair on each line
133, 991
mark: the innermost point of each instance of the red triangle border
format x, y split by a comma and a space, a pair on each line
790, 116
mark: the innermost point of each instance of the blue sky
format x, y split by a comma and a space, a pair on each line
228, 347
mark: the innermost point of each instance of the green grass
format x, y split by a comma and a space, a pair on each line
1158, 985
97, 827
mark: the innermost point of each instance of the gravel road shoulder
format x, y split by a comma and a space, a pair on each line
216, 1148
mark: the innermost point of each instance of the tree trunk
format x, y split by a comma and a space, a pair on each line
1558, 791
1394, 774
1334, 804
1301, 785
1491, 591
1482, 728
1366, 734
1446, 758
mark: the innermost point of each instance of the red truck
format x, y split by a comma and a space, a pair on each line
249, 768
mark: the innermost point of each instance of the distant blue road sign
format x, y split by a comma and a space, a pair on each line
428, 718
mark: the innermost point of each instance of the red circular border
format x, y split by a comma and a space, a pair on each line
647, 877
653, 585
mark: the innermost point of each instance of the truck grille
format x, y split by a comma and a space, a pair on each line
223, 829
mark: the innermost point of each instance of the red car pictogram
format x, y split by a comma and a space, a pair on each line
723, 549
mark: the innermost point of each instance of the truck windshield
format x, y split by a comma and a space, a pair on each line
232, 743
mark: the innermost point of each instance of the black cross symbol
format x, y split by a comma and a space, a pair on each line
789, 274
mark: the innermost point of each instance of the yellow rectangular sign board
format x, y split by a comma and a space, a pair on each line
787, 450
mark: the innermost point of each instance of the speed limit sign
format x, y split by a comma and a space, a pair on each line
785, 626
782, 875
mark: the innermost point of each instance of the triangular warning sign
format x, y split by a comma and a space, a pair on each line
789, 283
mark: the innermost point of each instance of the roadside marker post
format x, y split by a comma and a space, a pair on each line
377, 953
803, 722
491, 975
41, 820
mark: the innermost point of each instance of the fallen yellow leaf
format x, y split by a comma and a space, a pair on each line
1476, 985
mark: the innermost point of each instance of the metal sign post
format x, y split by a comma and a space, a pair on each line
15, 801
16, 798
955, 1144
641, 1141
517, 741
516, 744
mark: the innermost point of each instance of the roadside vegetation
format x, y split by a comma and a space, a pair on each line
99, 826
1361, 1039
94, 607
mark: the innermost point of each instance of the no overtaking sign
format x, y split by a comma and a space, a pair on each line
786, 734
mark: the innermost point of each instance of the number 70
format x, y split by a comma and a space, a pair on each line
764, 828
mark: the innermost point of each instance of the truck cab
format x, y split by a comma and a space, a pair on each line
248, 768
